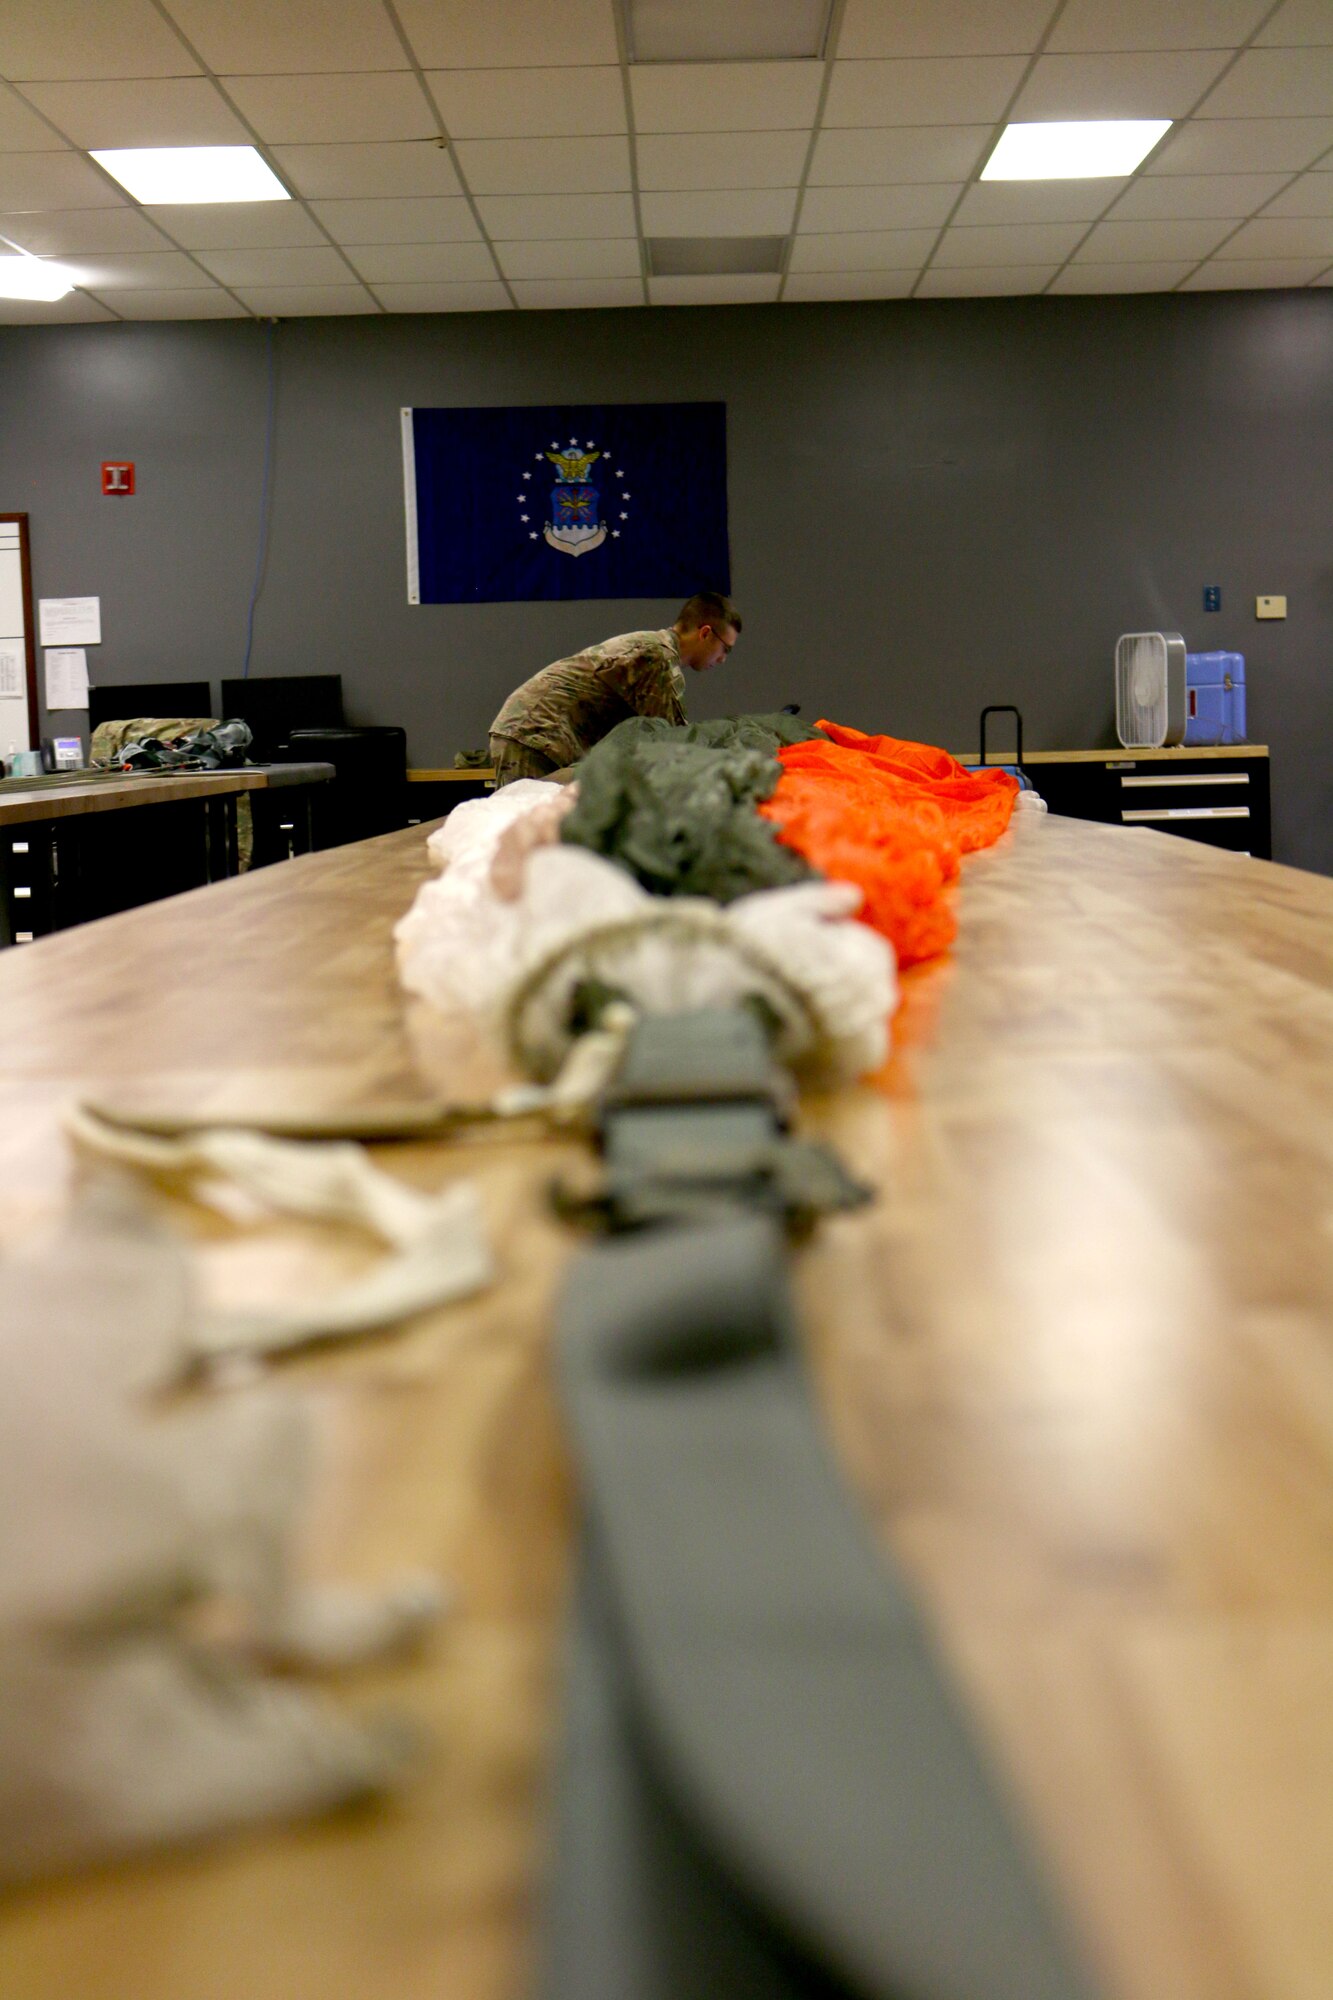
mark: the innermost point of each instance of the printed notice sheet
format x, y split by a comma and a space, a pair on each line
66, 677
70, 621
13, 670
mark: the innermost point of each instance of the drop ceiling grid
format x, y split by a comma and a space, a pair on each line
563, 157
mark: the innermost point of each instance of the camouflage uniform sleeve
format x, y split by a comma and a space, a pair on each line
650, 682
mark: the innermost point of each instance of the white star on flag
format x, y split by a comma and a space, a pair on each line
624, 517
525, 517
615, 534
533, 535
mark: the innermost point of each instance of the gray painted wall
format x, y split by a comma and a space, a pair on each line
933, 505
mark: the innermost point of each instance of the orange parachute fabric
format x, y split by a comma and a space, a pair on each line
893, 817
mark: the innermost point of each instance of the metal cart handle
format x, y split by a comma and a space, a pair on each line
1003, 708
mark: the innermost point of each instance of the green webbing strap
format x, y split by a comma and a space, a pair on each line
769, 1790
694, 1123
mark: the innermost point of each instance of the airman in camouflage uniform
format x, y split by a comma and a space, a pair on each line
555, 718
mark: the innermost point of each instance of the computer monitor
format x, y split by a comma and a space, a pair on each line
131, 698
275, 704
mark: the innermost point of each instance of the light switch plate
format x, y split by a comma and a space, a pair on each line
1270, 607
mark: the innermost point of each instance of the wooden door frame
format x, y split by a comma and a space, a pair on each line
29, 632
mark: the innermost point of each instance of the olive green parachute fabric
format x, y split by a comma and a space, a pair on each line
675, 806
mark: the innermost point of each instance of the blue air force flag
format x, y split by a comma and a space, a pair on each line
588, 500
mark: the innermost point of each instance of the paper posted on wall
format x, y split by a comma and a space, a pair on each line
66, 677
12, 665
70, 621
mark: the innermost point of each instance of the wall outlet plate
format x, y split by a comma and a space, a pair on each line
1270, 607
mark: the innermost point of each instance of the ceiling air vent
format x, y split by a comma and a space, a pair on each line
713, 256
744, 31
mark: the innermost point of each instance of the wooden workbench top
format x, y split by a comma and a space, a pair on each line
81, 792
1078, 1360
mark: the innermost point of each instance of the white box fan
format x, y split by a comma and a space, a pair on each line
1150, 689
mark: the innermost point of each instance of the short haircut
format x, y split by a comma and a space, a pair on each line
708, 608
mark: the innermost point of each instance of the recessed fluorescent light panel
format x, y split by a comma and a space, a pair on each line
1086, 151
713, 256
32, 278
157, 175
680, 31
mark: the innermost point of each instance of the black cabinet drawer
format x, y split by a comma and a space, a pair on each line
1221, 800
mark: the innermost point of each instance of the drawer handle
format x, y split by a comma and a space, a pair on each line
1188, 812
1223, 778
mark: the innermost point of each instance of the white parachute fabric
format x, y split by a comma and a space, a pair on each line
512, 962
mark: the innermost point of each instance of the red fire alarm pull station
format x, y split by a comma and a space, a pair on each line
118, 475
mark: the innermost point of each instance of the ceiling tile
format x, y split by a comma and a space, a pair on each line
1275, 83
54, 180
1037, 201
517, 218
529, 103
1152, 241
410, 167
74, 307
238, 225
725, 97
277, 267
66, 232
70, 38
723, 212
331, 110
21, 130
1243, 146
1009, 243
608, 257
735, 291
1299, 24
1165, 84
460, 34
942, 27
474, 297
907, 207
898, 153
421, 263
247, 37
158, 271
864, 250
1169, 196
803, 285
721, 159
557, 294
302, 301
1084, 278
1235, 274
986, 281
209, 304
535, 166
164, 111
1312, 194
416, 219
1147, 24
1283, 236
936, 91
